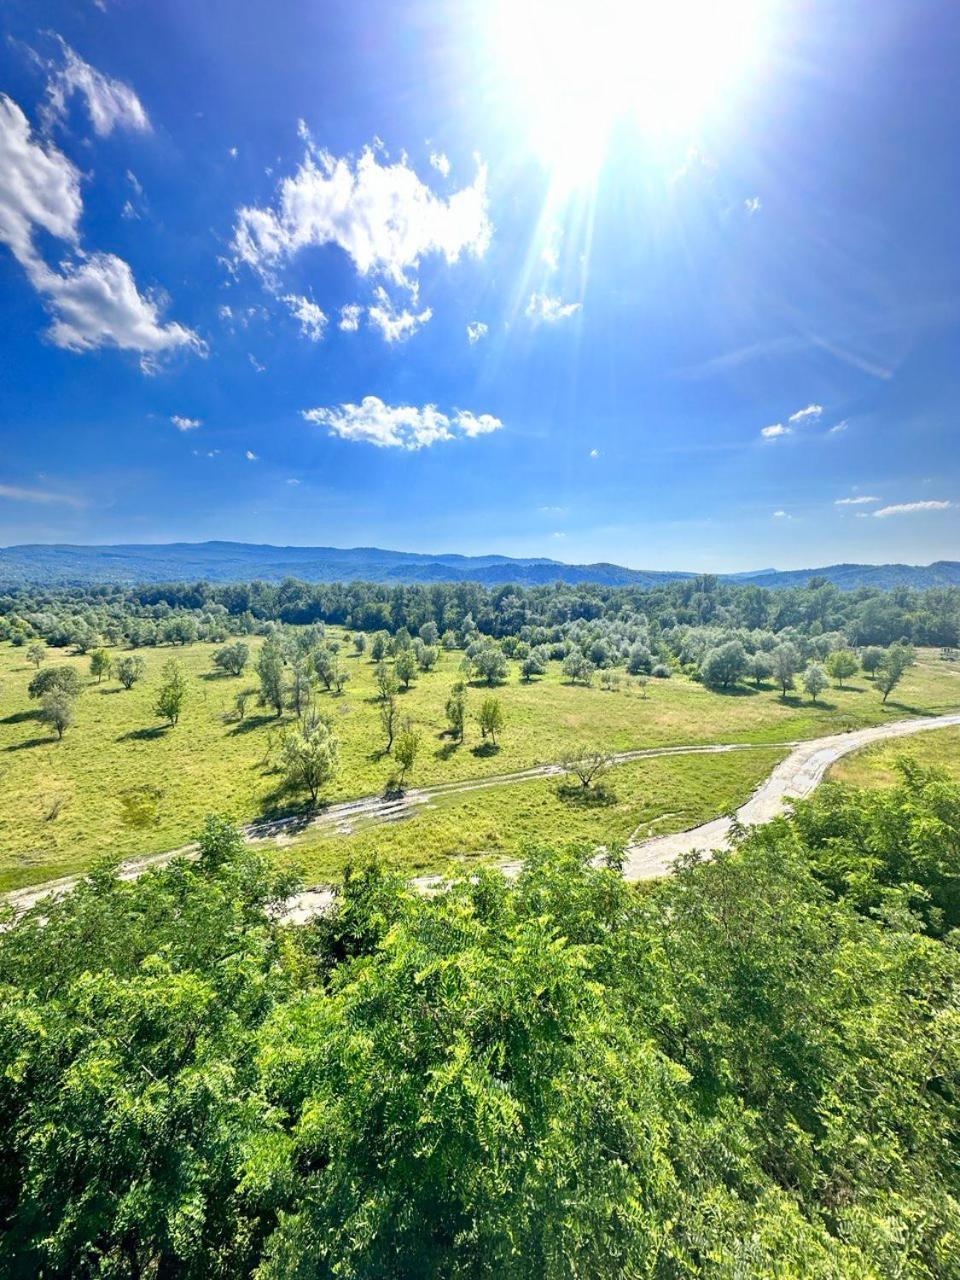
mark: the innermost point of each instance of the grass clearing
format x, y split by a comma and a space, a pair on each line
876, 766
121, 784
646, 797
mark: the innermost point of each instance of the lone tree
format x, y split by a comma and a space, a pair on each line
172, 692
386, 682
360, 643
310, 756
532, 665
893, 667
490, 719
577, 668
587, 764
405, 665
723, 666
57, 710
389, 715
100, 664
37, 652
232, 658
871, 658
815, 680
490, 664
130, 669
759, 666
786, 663
64, 678
456, 709
270, 671
405, 752
841, 665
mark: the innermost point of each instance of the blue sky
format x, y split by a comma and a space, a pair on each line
539, 279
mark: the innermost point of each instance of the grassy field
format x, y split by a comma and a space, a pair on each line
876, 766
644, 798
121, 784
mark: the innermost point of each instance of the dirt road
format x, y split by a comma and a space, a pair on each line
792, 778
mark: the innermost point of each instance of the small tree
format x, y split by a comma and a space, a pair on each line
37, 652
815, 680
240, 703
490, 719
532, 665
360, 643
587, 764
301, 685
130, 669
759, 666
871, 658
427, 657
310, 756
386, 682
456, 709
405, 666
50, 678
325, 664
57, 710
490, 664
270, 671
232, 658
378, 648
893, 667
172, 692
786, 663
577, 668
100, 664
389, 715
723, 666
405, 752
841, 665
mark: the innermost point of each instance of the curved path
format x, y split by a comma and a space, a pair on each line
794, 777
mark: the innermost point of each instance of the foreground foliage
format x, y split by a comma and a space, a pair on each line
748, 1069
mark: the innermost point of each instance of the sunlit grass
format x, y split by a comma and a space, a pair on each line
120, 784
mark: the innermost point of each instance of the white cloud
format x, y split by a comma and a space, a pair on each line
111, 103
476, 331
780, 515
128, 211
96, 303
233, 153
558, 534
440, 163
135, 182
257, 366
350, 317
908, 508
396, 326
400, 426
543, 307
313, 321
293, 482
854, 502
251, 456
380, 214
838, 427
185, 424
594, 453
93, 298
812, 411
752, 205
778, 429
15, 493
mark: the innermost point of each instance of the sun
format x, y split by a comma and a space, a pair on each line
578, 69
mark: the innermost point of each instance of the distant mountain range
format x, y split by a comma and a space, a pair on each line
63, 565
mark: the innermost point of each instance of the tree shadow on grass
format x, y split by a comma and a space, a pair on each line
735, 691
596, 797
144, 735
20, 717
31, 742
218, 675
447, 749
485, 749
249, 723
114, 689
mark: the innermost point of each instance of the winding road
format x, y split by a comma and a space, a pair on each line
794, 777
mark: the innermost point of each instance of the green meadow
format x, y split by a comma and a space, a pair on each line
121, 783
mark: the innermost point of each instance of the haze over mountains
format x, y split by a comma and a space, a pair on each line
128, 564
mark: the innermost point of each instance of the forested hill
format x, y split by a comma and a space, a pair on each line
62, 564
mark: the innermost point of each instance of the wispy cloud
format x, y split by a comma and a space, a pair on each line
546, 309
408, 427
110, 103
752, 205
440, 163
16, 493
395, 325
350, 317
911, 508
185, 424
476, 331
776, 430
858, 501
313, 320
811, 413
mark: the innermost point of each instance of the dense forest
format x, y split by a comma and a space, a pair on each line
181, 612
747, 1069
